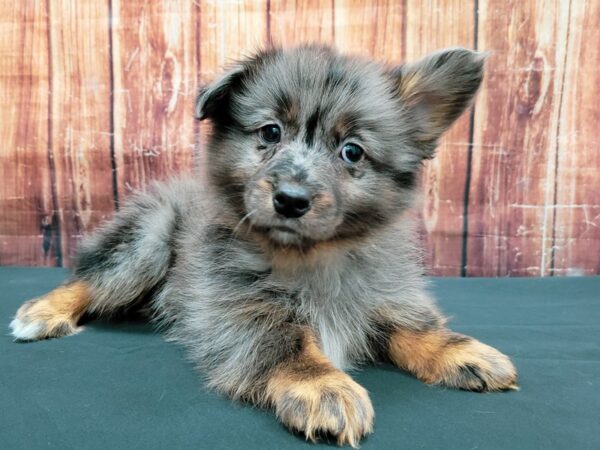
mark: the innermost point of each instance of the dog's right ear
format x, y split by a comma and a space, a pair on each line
213, 99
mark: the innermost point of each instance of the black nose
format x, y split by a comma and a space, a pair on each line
291, 201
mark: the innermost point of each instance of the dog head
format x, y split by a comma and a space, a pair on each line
310, 146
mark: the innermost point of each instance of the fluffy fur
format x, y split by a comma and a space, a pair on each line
272, 308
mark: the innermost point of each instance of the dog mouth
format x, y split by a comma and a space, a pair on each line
278, 230
282, 234
284, 229
291, 232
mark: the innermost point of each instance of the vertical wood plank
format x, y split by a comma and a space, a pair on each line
27, 222
513, 173
374, 29
431, 26
577, 209
293, 22
80, 116
229, 30
154, 57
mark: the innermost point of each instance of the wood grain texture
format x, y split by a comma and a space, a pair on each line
375, 29
229, 30
513, 172
154, 57
431, 26
292, 22
28, 226
577, 208
80, 117
97, 100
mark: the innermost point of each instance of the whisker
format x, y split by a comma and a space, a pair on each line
242, 221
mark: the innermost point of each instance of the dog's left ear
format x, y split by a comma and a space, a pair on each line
213, 99
436, 90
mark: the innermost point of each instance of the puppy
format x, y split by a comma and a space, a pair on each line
297, 262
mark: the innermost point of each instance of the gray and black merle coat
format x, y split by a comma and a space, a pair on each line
297, 260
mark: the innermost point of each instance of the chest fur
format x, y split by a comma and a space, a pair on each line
341, 322
343, 343
337, 298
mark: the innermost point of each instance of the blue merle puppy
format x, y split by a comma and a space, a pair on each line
298, 261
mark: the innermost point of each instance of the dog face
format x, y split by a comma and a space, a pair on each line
311, 146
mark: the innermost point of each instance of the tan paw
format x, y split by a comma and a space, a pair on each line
475, 366
451, 359
53, 315
332, 404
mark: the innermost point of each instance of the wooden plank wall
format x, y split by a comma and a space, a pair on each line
96, 100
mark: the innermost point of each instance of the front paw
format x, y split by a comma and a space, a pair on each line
332, 404
451, 359
474, 366
52, 315
37, 320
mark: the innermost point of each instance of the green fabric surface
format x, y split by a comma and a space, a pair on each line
122, 386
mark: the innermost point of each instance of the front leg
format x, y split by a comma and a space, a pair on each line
55, 314
424, 347
254, 352
441, 356
310, 395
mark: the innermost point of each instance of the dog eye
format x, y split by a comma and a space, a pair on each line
271, 133
351, 153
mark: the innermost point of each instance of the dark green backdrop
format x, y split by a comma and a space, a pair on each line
122, 386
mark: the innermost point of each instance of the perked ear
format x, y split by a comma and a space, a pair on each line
436, 90
213, 99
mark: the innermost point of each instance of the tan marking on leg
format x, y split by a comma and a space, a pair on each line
55, 314
310, 395
451, 359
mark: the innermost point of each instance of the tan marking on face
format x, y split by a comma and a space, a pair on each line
264, 185
322, 202
290, 114
292, 259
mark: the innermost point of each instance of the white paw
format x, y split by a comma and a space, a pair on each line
23, 331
